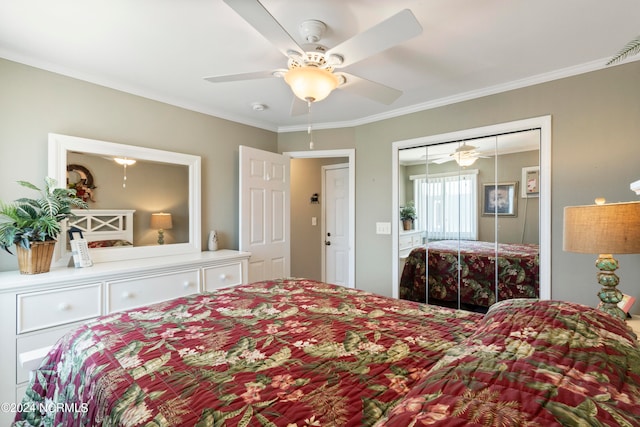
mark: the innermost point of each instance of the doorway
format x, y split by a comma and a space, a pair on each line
307, 226
335, 224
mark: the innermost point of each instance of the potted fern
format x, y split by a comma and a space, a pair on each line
33, 225
408, 215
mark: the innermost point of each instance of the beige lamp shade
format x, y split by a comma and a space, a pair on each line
612, 228
161, 221
311, 83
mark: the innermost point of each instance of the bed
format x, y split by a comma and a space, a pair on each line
297, 352
102, 228
518, 273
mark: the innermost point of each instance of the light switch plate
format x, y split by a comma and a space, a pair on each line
383, 228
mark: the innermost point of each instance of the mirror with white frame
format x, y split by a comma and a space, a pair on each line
150, 181
426, 172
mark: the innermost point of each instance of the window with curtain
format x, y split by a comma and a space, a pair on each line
447, 205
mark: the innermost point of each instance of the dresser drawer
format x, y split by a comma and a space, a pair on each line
32, 348
131, 293
38, 310
222, 276
404, 242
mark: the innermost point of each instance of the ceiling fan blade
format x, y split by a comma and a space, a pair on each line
255, 14
400, 27
372, 90
298, 107
243, 76
443, 160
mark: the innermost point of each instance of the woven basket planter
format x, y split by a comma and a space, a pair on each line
37, 259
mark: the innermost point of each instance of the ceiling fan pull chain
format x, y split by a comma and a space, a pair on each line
309, 129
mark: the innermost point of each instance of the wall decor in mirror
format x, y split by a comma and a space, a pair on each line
128, 184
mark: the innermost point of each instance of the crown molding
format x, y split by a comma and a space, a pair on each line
466, 96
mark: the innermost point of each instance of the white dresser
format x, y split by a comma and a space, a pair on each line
35, 311
407, 241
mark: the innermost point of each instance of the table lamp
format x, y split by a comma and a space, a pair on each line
604, 229
161, 221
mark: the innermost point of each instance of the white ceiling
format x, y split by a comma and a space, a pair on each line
162, 49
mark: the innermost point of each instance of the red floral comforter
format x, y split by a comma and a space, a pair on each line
302, 353
517, 272
543, 364
285, 353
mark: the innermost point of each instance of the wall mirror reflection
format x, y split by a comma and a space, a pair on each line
476, 237
142, 202
127, 187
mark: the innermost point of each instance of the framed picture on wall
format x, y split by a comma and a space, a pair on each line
530, 182
500, 199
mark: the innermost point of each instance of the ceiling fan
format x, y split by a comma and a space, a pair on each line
465, 155
311, 67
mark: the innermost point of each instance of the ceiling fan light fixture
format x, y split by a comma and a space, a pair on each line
465, 159
311, 83
124, 161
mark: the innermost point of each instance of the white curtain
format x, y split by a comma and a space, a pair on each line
447, 205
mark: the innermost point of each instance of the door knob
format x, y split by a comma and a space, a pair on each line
328, 243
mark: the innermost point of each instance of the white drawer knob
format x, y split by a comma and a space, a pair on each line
223, 277
63, 306
186, 285
127, 295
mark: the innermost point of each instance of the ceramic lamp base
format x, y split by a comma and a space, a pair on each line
609, 295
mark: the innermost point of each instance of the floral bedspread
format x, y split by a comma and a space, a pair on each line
301, 353
543, 364
517, 272
277, 353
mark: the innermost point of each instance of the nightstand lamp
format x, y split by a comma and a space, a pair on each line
604, 229
161, 221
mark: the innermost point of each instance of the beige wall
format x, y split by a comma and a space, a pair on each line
595, 152
34, 103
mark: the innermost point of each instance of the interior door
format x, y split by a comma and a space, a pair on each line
336, 229
264, 213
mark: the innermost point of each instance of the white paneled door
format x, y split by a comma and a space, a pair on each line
336, 230
264, 213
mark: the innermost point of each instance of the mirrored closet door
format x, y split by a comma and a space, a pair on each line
475, 236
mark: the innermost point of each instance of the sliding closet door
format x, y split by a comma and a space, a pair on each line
473, 219
515, 221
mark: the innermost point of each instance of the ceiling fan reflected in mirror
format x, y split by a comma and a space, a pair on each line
465, 155
311, 68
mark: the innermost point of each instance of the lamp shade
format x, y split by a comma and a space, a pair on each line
161, 221
311, 83
612, 228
